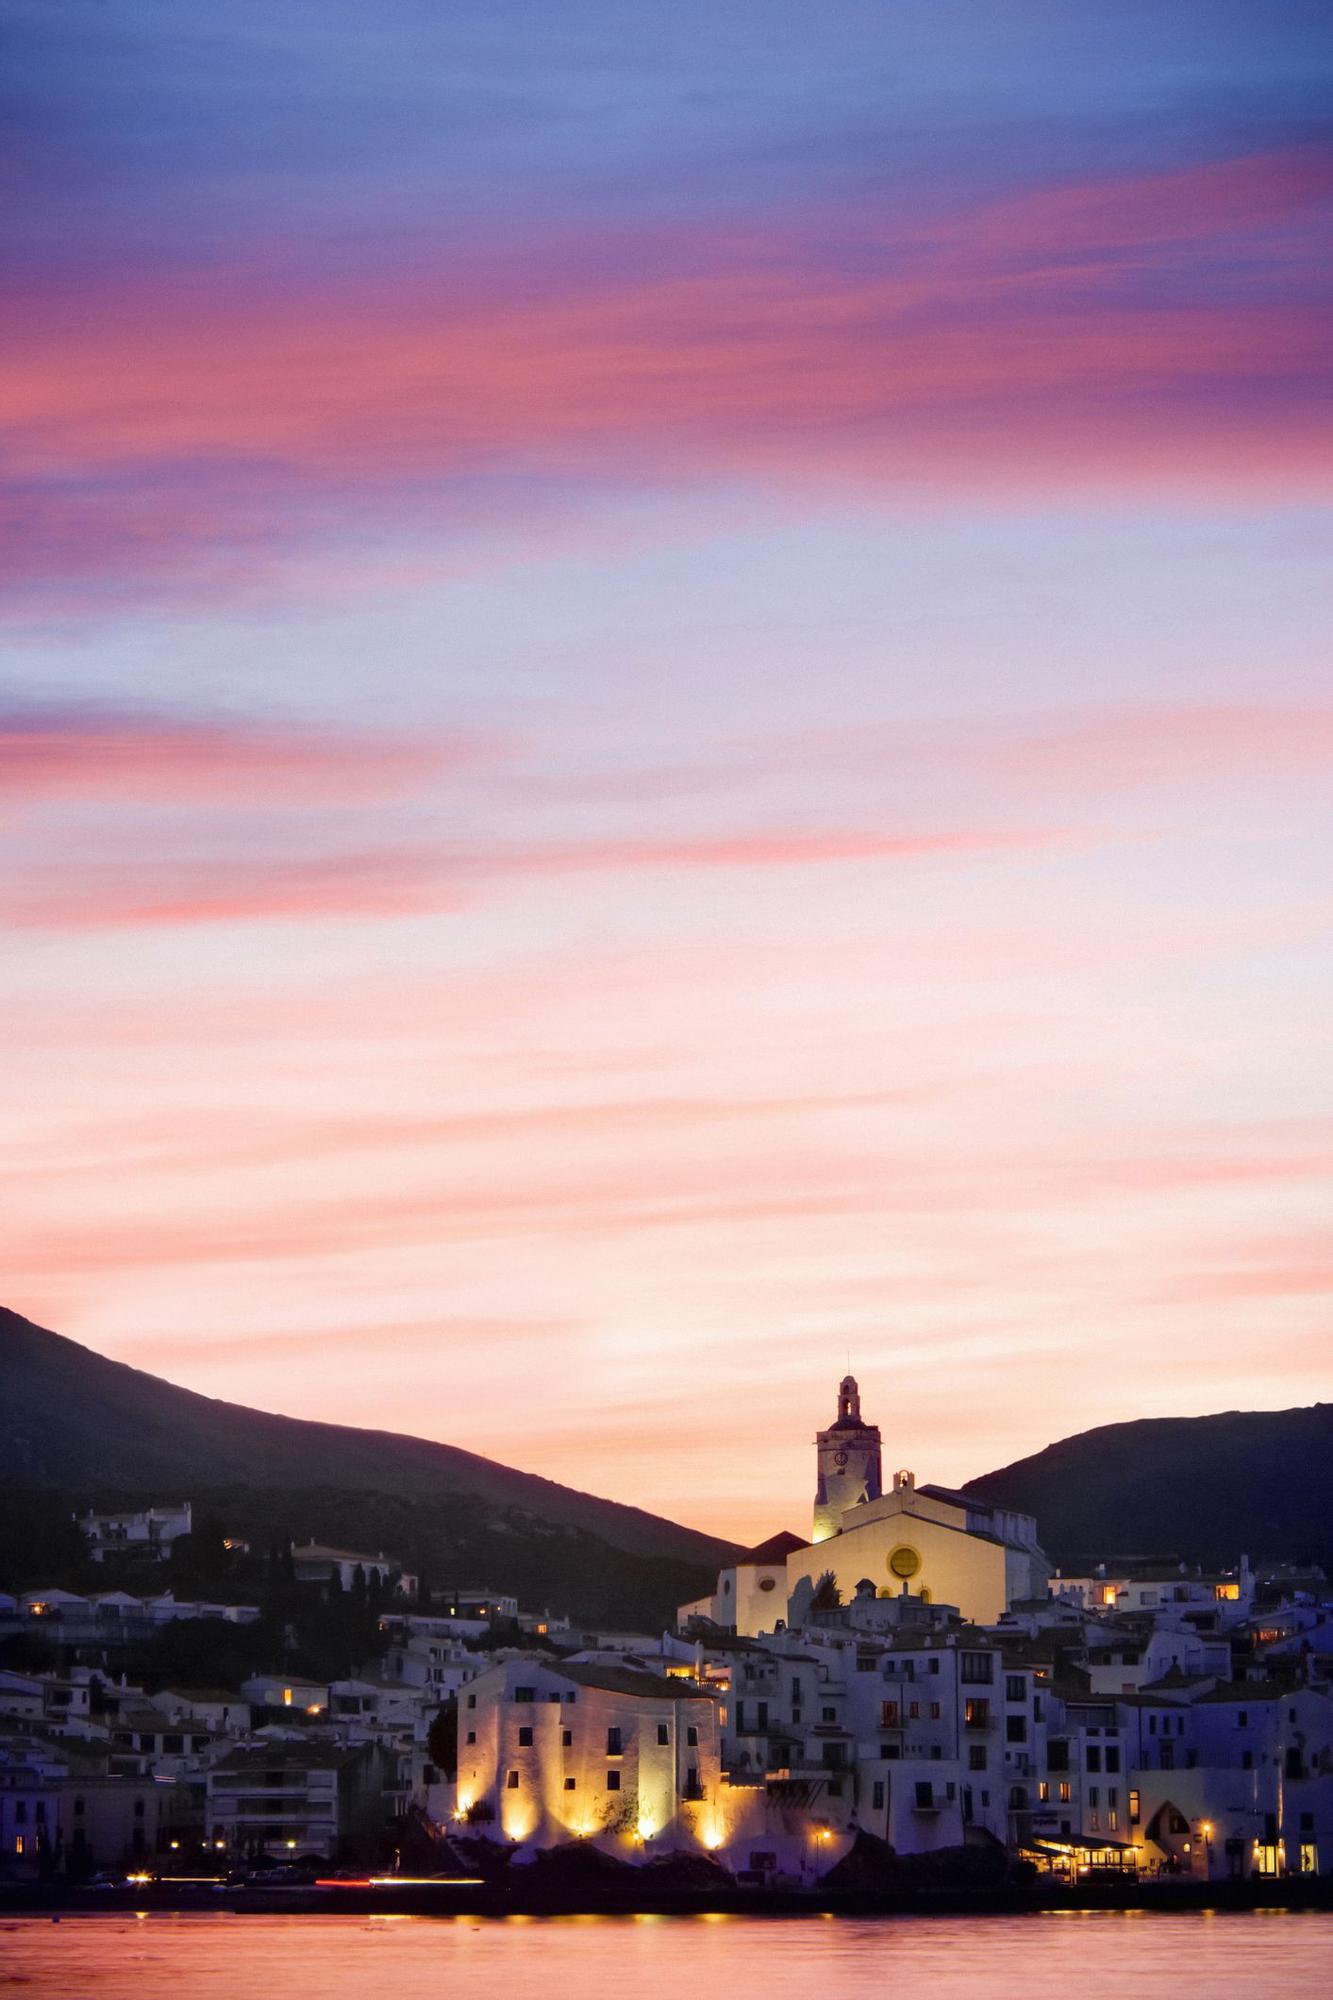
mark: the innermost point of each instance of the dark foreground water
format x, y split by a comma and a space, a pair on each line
1082, 1955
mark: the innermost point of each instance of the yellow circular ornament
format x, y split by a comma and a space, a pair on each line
904, 1561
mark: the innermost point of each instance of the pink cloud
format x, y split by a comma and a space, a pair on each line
1013, 345
92, 754
388, 881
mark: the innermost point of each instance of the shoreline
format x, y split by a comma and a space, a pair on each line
495, 1900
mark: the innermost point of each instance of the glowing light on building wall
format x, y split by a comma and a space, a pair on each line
646, 1827
517, 1820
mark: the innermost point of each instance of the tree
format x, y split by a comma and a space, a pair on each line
827, 1595
442, 1738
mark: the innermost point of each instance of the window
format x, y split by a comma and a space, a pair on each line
614, 1746
472, 1736
1018, 1798
1247, 1760
1015, 1729
976, 1756
692, 1736
1064, 1791
1134, 1808
663, 1733
976, 1712
21, 1813
1094, 1796
78, 1808
977, 1668
828, 1714
1094, 1757
472, 1701
1043, 1793
1113, 1756
525, 1694
566, 1739
1112, 1820
613, 1781
569, 1784
1015, 1688
934, 1711
525, 1739
1242, 1718
877, 1796
888, 1715
511, 1782
570, 1695
914, 1711
925, 1794
138, 1808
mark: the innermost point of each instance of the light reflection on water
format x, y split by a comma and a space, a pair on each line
1094, 1955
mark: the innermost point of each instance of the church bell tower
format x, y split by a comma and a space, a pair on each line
849, 1463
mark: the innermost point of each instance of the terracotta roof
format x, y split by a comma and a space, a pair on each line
775, 1550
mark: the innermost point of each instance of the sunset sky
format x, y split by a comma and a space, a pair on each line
667, 719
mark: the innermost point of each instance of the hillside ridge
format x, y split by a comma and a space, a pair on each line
73, 1418
1204, 1488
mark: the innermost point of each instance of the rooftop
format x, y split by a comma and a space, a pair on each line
775, 1550
627, 1680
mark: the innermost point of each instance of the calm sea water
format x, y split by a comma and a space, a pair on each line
1090, 1955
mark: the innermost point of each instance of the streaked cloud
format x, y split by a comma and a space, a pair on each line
1030, 340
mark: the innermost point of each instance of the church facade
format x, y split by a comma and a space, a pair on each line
927, 1542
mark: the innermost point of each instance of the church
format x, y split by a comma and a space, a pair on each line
927, 1542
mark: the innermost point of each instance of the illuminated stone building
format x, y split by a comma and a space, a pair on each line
552, 1751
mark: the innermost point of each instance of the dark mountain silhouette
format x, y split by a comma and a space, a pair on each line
1201, 1488
73, 1422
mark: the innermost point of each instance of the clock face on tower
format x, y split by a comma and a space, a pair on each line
840, 1458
